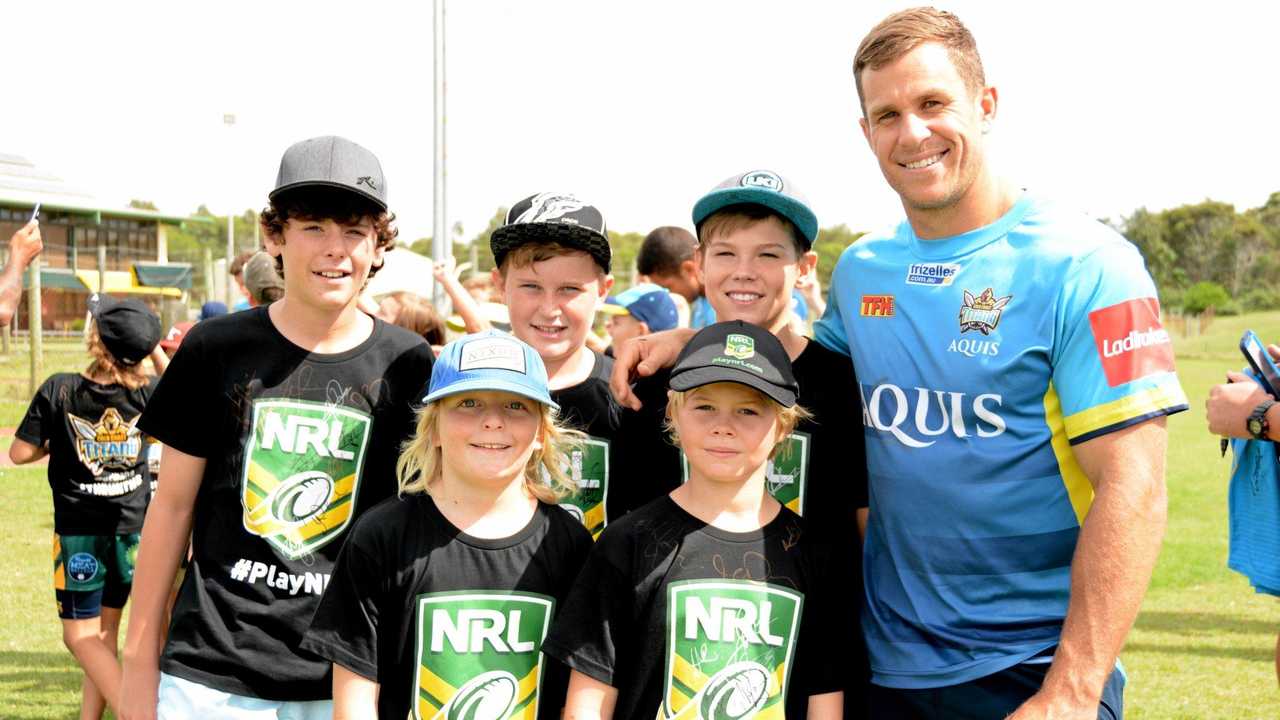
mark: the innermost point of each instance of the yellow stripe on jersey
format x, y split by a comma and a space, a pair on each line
59, 577
1167, 394
1079, 490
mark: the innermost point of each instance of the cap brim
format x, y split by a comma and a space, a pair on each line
492, 385
611, 306
786, 206
508, 237
699, 376
328, 183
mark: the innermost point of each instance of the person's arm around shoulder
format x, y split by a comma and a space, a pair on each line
165, 533
1114, 557
355, 697
642, 357
24, 246
827, 706
589, 699
22, 452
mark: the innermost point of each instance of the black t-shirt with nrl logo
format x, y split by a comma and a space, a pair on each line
446, 622
97, 455
683, 618
297, 445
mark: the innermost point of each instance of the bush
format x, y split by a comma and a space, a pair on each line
1260, 299
1231, 307
1205, 295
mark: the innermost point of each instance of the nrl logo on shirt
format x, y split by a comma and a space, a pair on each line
982, 313
729, 649
589, 471
302, 473
786, 474
110, 443
479, 655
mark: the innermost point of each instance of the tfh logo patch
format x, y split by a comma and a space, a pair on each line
302, 473
479, 655
729, 649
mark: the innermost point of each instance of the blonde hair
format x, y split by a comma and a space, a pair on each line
104, 364
740, 217
546, 475
788, 417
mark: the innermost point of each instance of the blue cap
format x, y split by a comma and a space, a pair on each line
489, 360
648, 303
211, 309
761, 187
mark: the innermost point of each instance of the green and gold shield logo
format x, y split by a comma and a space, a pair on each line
787, 475
729, 649
739, 346
479, 655
589, 470
301, 473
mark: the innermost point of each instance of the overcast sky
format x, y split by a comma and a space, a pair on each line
636, 107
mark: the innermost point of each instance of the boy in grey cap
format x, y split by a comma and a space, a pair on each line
281, 425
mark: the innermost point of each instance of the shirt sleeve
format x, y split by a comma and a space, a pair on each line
591, 632
183, 409
1112, 359
344, 629
829, 329
826, 631
36, 424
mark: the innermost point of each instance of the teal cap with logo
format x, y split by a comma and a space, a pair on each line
766, 188
491, 361
737, 352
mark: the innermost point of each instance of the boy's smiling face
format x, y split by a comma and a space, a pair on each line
488, 436
326, 262
552, 302
727, 431
750, 273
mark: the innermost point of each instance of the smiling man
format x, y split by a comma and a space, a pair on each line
1016, 466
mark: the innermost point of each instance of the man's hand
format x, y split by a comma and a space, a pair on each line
642, 357
1230, 404
1042, 706
811, 288
26, 243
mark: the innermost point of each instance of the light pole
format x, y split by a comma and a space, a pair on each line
439, 235
229, 119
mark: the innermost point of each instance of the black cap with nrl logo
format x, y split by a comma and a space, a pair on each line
736, 352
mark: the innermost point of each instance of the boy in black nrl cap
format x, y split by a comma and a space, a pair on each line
281, 426
86, 423
712, 601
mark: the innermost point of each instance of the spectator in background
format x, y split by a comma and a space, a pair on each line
262, 280
414, 313
24, 246
1241, 409
212, 309
643, 309
236, 269
465, 303
666, 258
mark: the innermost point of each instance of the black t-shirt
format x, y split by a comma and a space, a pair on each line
97, 455
297, 445
625, 462
670, 610
439, 618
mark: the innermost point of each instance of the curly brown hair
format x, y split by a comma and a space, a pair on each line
327, 203
104, 364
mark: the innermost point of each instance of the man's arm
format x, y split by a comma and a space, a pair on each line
589, 699
642, 357
1114, 557
22, 452
354, 696
165, 536
23, 247
827, 706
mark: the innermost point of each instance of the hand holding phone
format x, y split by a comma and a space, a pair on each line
1260, 360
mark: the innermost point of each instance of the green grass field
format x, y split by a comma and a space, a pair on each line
1202, 647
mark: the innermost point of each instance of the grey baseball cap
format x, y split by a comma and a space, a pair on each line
260, 273
332, 161
761, 187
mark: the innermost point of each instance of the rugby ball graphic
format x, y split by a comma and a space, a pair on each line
301, 497
487, 696
575, 511
736, 692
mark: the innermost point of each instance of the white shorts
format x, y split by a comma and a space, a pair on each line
182, 699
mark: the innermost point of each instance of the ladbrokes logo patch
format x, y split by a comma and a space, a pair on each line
478, 655
729, 649
787, 474
301, 473
589, 471
1131, 342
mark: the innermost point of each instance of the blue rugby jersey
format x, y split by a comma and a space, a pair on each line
982, 358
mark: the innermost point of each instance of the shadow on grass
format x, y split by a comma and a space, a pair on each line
1259, 654
1190, 623
31, 681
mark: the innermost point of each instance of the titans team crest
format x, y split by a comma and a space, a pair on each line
109, 444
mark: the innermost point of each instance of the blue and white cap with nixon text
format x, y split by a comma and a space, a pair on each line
493, 361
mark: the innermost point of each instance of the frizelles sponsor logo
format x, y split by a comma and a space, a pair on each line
1131, 342
917, 417
970, 347
876, 306
729, 649
479, 655
941, 274
302, 473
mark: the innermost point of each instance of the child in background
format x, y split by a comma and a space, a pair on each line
666, 257
475, 537
86, 424
643, 309
713, 599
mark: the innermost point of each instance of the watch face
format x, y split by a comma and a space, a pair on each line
1255, 427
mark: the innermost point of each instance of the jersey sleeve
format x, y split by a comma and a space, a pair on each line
829, 329
183, 408
1112, 359
37, 424
593, 629
344, 629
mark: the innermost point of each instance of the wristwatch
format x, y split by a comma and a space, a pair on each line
1257, 423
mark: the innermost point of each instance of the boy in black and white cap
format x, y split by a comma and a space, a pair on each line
646, 628
86, 423
281, 425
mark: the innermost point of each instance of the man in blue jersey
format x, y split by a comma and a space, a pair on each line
1015, 380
